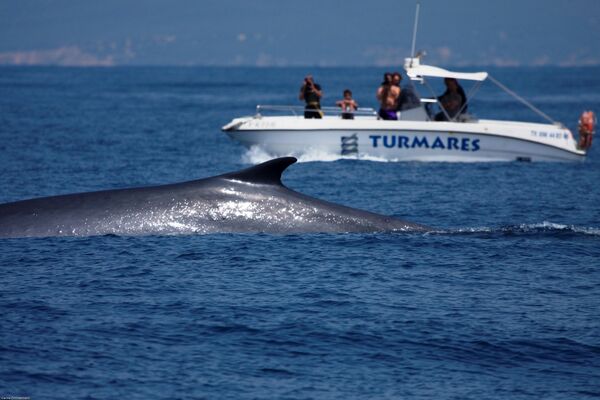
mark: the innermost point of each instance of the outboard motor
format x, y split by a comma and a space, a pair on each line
587, 123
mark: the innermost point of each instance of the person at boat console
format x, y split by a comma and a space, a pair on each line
347, 104
311, 93
387, 95
453, 101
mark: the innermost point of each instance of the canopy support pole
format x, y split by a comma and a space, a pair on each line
472, 92
522, 100
414, 38
437, 101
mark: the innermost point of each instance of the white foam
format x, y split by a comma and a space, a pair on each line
257, 155
561, 227
540, 226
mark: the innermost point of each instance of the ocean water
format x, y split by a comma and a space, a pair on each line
502, 302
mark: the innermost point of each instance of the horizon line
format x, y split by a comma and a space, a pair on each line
275, 66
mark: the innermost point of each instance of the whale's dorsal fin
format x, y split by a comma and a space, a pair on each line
268, 173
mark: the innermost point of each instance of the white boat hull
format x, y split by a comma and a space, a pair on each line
483, 140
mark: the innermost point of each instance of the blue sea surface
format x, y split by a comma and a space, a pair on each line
502, 302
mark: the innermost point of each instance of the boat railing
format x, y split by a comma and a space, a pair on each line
299, 110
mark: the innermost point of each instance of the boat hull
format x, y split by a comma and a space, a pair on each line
461, 143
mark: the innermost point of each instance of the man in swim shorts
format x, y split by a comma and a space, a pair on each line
387, 95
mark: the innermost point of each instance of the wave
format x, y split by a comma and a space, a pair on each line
544, 227
257, 155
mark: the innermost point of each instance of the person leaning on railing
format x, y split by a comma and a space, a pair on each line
311, 93
348, 105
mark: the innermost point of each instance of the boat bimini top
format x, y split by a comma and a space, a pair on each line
418, 72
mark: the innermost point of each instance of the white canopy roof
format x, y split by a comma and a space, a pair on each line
420, 71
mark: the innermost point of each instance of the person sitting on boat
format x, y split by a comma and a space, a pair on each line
311, 93
408, 98
388, 94
347, 104
453, 101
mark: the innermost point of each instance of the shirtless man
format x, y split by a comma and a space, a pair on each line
396, 79
387, 95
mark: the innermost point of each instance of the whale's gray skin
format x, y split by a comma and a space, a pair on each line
251, 200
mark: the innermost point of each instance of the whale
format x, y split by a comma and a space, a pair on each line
252, 200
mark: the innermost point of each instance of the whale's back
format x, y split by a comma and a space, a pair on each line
251, 200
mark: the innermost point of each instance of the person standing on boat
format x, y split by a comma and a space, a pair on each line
311, 93
396, 79
347, 104
453, 101
387, 95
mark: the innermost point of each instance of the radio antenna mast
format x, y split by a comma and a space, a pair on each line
414, 38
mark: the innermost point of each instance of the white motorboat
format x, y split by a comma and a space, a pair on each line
416, 135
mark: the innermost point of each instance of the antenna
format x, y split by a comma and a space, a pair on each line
414, 38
